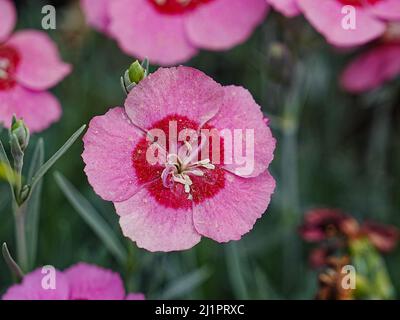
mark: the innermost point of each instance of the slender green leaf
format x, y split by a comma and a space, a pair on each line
37, 159
32, 217
236, 271
4, 198
263, 287
5, 163
187, 283
92, 218
12, 265
45, 167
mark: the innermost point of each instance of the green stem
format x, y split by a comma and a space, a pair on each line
18, 164
377, 158
20, 234
290, 194
235, 271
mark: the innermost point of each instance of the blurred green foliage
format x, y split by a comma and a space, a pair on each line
333, 150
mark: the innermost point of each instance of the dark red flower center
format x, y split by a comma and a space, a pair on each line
180, 170
177, 6
9, 60
359, 3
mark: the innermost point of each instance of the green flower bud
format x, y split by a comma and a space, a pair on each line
136, 73
19, 133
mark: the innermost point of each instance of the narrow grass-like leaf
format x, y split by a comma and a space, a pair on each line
236, 272
5, 163
49, 163
264, 289
92, 218
187, 283
33, 211
12, 265
4, 198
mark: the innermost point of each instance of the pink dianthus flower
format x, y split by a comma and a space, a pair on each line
29, 65
168, 32
80, 282
371, 18
170, 205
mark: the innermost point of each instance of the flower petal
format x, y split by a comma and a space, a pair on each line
383, 237
387, 9
144, 32
40, 67
154, 227
8, 18
289, 8
97, 13
239, 112
184, 91
38, 109
372, 68
234, 210
31, 287
109, 143
135, 296
90, 282
326, 16
223, 24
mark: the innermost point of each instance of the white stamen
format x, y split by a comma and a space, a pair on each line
196, 172
4, 64
184, 2
209, 166
196, 151
161, 2
188, 146
181, 167
3, 74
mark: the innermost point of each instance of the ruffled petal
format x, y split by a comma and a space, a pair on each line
38, 109
32, 287
326, 16
144, 32
109, 144
250, 137
183, 91
223, 24
90, 282
8, 18
386, 9
372, 68
155, 227
289, 8
97, 13
234, 210
40, 66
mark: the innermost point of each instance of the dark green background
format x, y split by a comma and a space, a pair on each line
345, 154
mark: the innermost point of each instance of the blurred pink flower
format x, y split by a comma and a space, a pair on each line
319, 257
289, 8
29, 65
90, 282
375, 66
383, 237
31, 288
372, 68
168, 206
321, 224
371, 19
171, 31
80, 282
